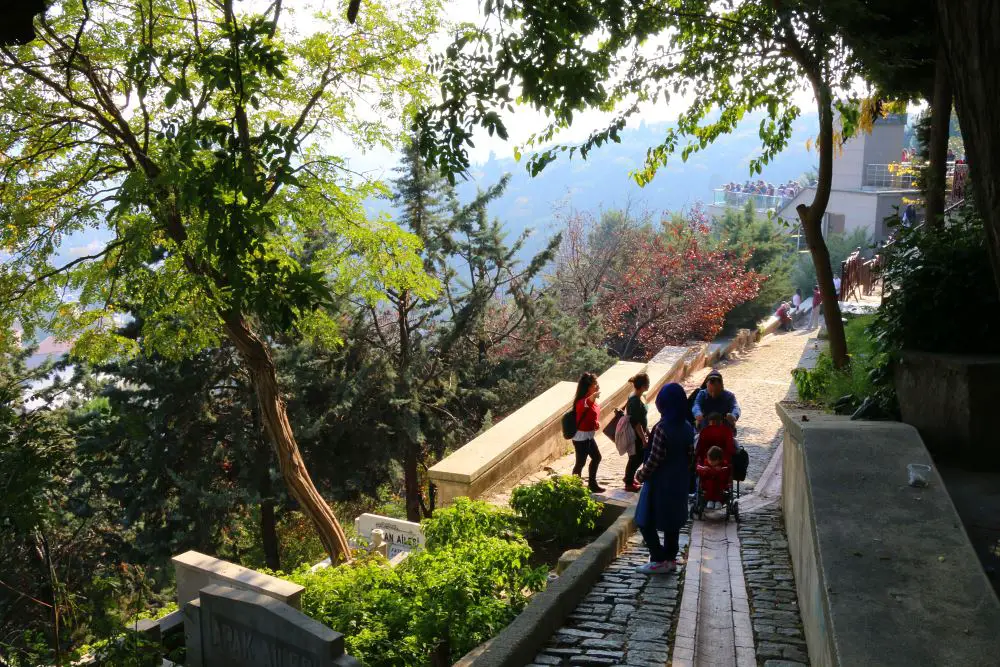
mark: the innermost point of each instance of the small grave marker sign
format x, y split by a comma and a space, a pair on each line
402, 536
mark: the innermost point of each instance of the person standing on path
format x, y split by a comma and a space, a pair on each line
587, 425
663, 500
817, 308
636, 413
797, 299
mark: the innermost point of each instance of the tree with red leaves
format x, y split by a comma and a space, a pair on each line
678, 287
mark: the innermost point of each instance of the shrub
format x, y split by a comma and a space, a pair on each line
939, 293
438, 604
846, 389
469, 521
559, 508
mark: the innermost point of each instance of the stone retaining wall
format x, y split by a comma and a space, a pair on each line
883, 571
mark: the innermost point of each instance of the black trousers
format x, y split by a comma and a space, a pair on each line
660, 552
634, 462
585, 448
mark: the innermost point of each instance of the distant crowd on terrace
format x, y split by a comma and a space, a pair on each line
760, 187
911, 154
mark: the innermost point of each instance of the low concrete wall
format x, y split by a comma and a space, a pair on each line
524, 441
530, 437
951, 400
885, 572
194, 571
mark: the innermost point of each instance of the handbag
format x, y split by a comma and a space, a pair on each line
612, 425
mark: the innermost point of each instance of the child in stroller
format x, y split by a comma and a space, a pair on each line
714, 476
713, 461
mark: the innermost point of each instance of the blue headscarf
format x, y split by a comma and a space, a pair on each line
672, 403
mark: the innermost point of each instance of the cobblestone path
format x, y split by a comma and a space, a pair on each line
733, 604
625, 620
777, 626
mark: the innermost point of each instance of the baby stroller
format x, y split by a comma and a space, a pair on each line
736, 461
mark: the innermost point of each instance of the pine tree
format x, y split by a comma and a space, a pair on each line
429, 337
771, 255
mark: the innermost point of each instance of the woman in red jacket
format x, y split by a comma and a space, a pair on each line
587, 426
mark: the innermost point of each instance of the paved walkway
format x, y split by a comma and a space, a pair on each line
626, 619
733, 603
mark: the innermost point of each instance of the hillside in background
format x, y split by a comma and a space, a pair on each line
603, 180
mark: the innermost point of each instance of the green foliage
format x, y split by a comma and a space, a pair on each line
771, 255
844, 390
570, 57
939, 295
557, 508
468, 521
840, 246
468, 584
209, 181
125, 650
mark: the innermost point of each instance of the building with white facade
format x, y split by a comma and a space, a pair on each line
864, 189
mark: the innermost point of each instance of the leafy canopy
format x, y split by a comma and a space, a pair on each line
200, 150
729, 58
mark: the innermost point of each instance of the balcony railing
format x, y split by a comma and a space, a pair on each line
897, 176
906, 175
724, 197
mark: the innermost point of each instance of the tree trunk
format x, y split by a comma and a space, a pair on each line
938, 145
971, 34
268, 525
272, 410
269, 534
411, 480
812, 224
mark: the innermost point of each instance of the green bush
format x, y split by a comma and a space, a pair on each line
939, 294
438, 604
771, 254
845, 389
558, 508
469, 521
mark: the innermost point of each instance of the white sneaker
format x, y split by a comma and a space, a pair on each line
665, 567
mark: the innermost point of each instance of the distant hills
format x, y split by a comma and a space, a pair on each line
603, 180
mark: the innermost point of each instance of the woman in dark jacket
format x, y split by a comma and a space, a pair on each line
663, 500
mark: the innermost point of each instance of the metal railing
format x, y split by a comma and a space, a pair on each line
906, 175
723, 197
898, 176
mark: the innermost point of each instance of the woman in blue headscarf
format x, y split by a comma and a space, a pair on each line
663, 500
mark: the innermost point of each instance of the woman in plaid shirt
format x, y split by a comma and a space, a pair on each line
663, 500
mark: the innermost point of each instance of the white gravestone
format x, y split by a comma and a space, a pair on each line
401, 536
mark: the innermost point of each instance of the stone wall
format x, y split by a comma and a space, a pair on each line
950, 399
881, 568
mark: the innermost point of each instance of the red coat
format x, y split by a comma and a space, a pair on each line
720, 436
587, 416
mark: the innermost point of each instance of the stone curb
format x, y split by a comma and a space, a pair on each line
527, 634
